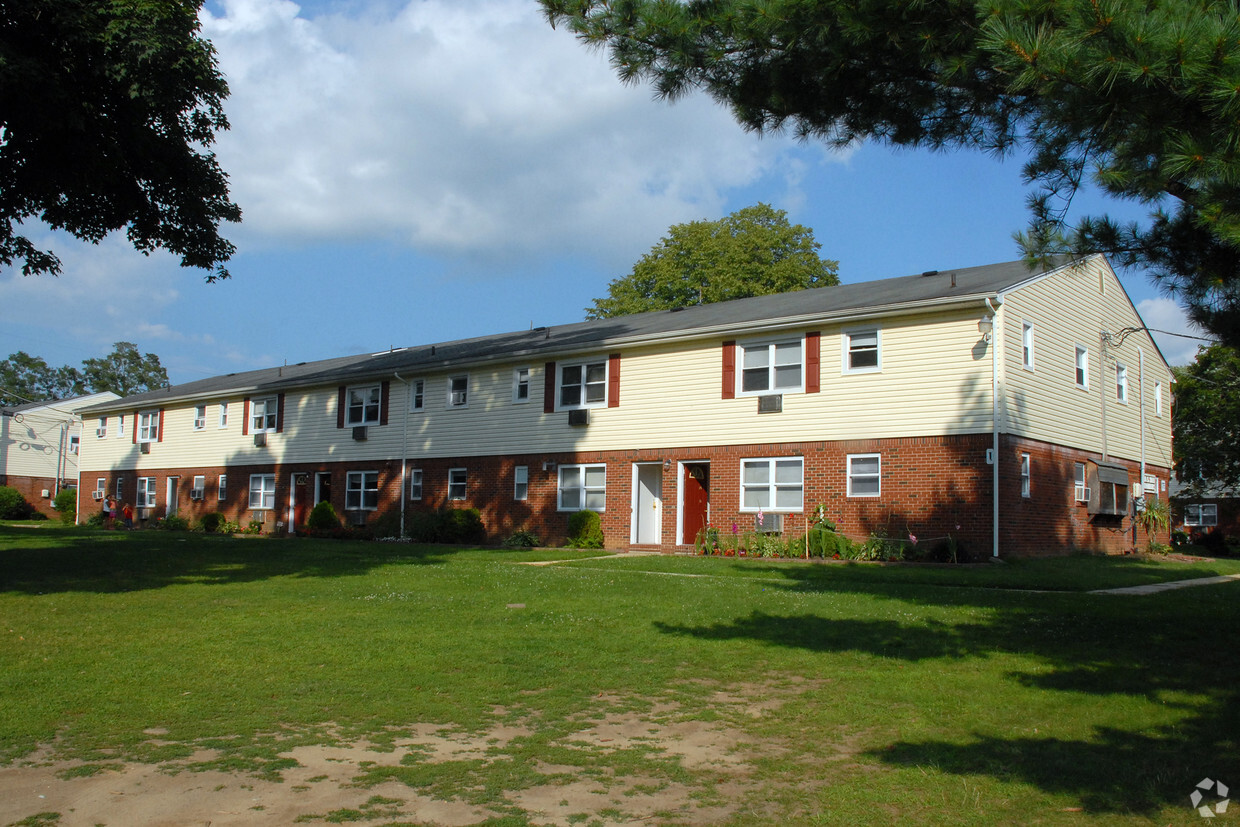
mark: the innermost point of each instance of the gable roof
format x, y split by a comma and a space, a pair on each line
885, 297
70, 405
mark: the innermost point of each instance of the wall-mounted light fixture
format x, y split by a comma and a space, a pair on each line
667, 465
986, 327
549, 466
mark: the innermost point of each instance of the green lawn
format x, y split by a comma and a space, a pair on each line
851, 694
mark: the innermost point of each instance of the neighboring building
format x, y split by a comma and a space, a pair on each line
883, 401
39, 447
1204, 510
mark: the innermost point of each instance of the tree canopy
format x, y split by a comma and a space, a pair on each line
1206, 420
1141, 97
106, 109
752, 252
125, 371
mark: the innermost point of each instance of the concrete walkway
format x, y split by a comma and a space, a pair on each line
1155, 588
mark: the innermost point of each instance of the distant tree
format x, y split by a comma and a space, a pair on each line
124, 371
25, 378
1140, 97
105, 111
752, 252
1206, 419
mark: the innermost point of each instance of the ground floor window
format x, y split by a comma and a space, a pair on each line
361, 491
1080, 489
1201, 514
458, 479
146, 492
223, 492
199, 488
262, 491
415, 484
582, 487
521, 483
865, 475
773, 484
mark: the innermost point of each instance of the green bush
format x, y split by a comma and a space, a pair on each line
13, 505
522, 538
212, 522
66, 503
173, 523
585, 529
323, 516
446, 525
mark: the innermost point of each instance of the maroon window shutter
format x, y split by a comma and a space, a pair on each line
813, 370
729, 370
160, 436
383, 402
340, 407
549, 388
245, 416
136, 420
613, 380
279, 413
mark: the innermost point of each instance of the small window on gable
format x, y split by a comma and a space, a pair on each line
1082, 367
521, 385
1026, 345
1158, 393
862, 351
1121, 384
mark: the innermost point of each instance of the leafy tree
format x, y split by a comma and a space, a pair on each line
752, 252
124, 371
1142, 96
25, 378
1206, 420
105, 112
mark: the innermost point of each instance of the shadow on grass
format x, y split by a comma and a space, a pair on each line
52, 560
1172, 650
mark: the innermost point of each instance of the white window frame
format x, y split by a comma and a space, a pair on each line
1080, 368
417, 394
148, 426
361, 491
584, 490
262, 495
458, 484
223, 415
120, 488
101, 486
856, 475
120, 426
776, 486
101, 430
1026, 481
266, 421
147, 496
520, 385
774, 353
1080, 489
221, 492
1201, 510
75, 444
584, 385
198, 490
415, 483
458, 398
363, 405
1158, 395
1121, 383
200, 417
847, 350
521, 482
1026, 345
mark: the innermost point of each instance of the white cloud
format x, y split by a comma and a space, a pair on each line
1167, 319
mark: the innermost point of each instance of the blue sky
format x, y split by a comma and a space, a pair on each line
413, 172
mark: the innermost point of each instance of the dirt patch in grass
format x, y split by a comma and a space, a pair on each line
626, 762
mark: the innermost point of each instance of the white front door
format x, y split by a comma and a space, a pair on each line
647, 504
172, 496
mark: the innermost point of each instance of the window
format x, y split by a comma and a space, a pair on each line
222, 494
1112, 497
200, 417
1082, 367
521, 385
772, 484
458, 391
146, 492
101, 432
223, 414
1121, 383
1026, 345
861, 351
75, 443
262, 491
361, 491
417, 394
120, 489
1203, 515
415, 484
458, 479
263, 415
521, 483
583, 385
199, 489
1080, 491
363, 405
865, 472
1024, 475
770, 367
101, 485
582, 487
120, 426
148, 426
1158, 398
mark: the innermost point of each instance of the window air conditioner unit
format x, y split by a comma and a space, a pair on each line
258, 516
46, 493
580, 416
359, 433
195, 495
769, 523
1085, 495
100, 433
144, 513
260, 440
96, 495
144, 447
357, 518
774, 403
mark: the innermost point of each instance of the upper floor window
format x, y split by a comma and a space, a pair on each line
775, 484
148, 426
363, 405
865, 475
263, 414
583, 384
1082, 367
862, 351
101, 431
458, 391
74, 444
223, 414
1026, 345
1158, 398
1121, 383
200, 417
770, 367
521, 385
417, 394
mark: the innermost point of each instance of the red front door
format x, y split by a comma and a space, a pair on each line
696, 485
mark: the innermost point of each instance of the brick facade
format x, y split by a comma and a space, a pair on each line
32, 489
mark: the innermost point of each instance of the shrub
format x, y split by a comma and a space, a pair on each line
446, 525
13, 505
585, 529
66, 503
323, 516
522, 538
823, 542
173, 523
212, 522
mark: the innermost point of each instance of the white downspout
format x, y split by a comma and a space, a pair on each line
994, 429
1141, 401
404, 454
